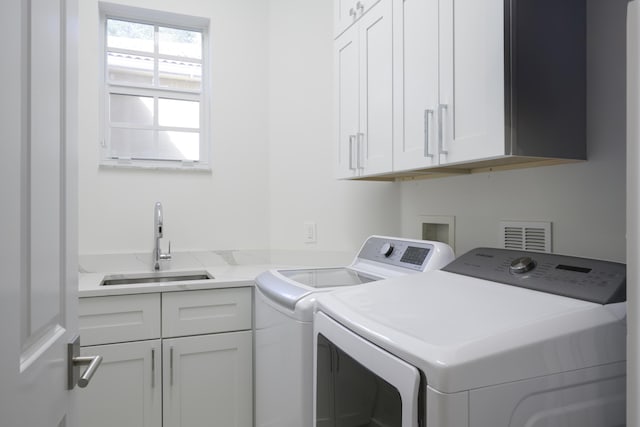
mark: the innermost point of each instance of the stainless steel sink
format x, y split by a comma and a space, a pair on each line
162, 277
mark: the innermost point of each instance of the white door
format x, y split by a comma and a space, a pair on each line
38, 217
416, 84
375, 139
471, 110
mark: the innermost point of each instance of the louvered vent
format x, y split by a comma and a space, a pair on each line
528, 236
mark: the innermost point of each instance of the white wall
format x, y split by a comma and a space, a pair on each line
225, 209
274, 152
585, 202
303, 150
273, 144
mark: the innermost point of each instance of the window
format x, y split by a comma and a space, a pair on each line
155, 111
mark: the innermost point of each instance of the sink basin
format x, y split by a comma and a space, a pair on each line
161, 277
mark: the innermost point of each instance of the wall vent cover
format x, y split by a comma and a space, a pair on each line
528, 236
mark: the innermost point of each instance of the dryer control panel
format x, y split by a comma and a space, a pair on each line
602, 282
417, 255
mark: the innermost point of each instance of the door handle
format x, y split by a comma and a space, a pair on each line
75, 361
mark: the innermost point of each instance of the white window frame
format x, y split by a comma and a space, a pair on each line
166, 19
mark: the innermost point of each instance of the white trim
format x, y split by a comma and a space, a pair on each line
151, 16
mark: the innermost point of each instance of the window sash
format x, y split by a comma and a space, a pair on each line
157, 93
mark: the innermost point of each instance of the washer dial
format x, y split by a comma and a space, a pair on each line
386, 250
522, 265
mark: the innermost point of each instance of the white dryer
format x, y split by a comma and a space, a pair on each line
284, 304
497, 338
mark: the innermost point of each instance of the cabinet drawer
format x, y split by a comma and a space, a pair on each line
207, 311
119, 318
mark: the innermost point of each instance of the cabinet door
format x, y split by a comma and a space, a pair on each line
348, 102
375, 137
208, 381
344, 12
416, 84
126, 390
472, 109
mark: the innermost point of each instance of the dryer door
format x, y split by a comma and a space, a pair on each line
357, 383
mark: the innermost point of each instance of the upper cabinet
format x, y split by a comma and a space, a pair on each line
364, 94
346, 12
480, 84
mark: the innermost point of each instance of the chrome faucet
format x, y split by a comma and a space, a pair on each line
157, 232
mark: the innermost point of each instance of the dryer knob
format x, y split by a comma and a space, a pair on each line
386, 250
522, 265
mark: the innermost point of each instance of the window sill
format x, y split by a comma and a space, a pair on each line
159, 165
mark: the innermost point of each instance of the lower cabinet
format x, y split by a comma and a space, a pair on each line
207, 380
126, 391
163, 380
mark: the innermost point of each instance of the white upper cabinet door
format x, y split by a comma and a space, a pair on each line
416, 83
348, 101
346, 12
344, 15
375, 139
471, 112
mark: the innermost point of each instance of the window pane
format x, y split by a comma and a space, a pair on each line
131, 109
182, 43
179, 146
129, 68
180, 75
132, 143
129, 35
177, 113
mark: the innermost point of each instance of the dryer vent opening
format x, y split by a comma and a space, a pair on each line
528, 236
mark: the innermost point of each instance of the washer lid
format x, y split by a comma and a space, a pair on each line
287, 287
465, 333
327, 277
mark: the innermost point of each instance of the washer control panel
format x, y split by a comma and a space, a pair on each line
411, 254
592, 280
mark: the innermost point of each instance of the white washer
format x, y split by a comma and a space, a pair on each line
497, 338
284, 306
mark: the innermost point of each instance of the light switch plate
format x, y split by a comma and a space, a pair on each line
310, 232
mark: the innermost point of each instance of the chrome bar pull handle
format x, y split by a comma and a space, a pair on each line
171, 366
352, 13
442, 108
427, 132
352, 150
360, 7
153, 368
361, 154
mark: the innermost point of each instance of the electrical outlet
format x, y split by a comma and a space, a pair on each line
310, 232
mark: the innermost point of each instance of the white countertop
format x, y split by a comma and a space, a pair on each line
230, 268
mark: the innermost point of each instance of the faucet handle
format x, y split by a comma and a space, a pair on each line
166, 256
